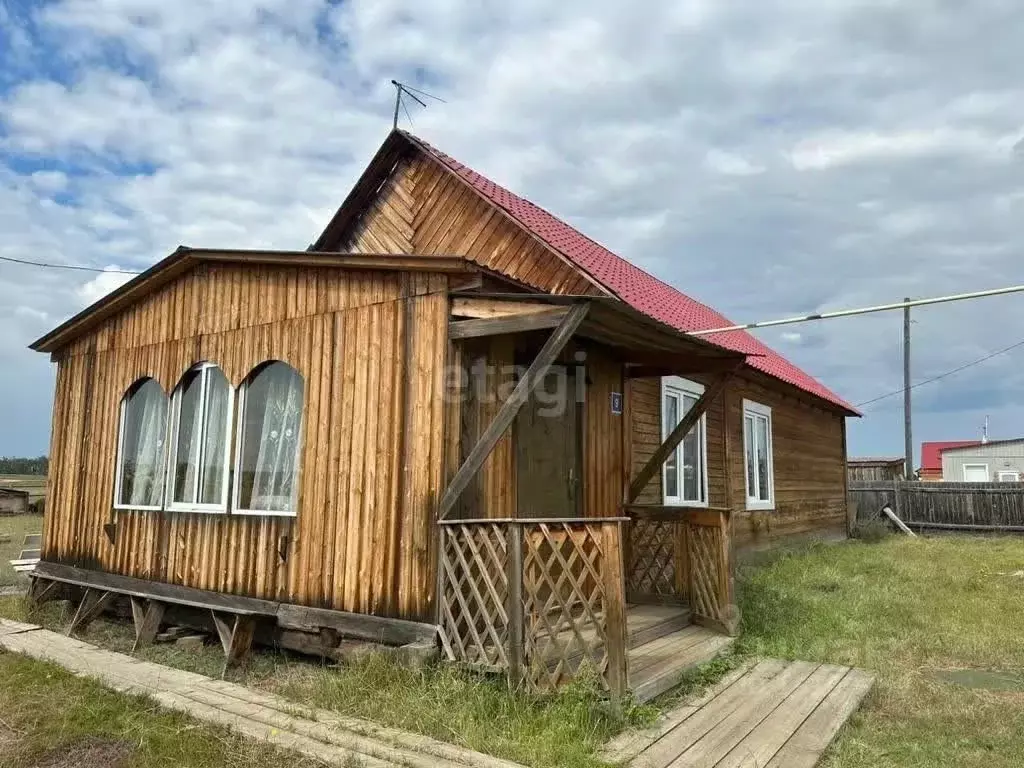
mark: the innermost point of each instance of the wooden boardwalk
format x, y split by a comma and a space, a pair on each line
775, 714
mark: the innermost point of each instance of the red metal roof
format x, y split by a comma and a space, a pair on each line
931, 453
642, 291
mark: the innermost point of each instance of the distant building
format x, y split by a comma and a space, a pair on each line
13, 501
931, 457
995, 461
875, 468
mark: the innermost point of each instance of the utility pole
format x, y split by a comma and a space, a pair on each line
908, 438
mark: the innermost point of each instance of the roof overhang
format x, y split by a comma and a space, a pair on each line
639, 339
184, 259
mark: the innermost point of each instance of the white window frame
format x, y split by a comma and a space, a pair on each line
118, 479
236, 468
1015, 476
676, 385
759, 410
976, 465
174, 414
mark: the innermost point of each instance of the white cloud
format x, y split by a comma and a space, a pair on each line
836, 149
689, 151
731, 164
110, 279
793, 337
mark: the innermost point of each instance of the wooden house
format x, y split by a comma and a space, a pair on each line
452, 419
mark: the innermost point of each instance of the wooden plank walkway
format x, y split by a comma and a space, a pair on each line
774, 714
329, 737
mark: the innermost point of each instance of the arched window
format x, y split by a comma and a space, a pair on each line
267, 460
139, 482
201, 426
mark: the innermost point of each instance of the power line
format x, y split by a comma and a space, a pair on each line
70, 266
862, 310
963, 367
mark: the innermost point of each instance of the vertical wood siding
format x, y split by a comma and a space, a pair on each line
365, 454
424, 209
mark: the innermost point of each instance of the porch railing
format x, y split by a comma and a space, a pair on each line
682, 555
537, 599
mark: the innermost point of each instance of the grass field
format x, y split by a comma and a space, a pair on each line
16, 526
53, 719
915, 612
907, 610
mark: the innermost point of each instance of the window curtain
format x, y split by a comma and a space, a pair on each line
190, 413
211, 481
144, 433
275, 485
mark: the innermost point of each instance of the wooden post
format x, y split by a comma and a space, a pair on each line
147, 616
615, 610
514, 604
675, 437
507, 413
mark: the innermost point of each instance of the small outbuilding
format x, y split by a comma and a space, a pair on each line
13, 501
875, 468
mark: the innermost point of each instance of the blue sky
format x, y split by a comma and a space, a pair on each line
768, 158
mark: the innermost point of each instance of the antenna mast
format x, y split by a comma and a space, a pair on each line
407, 90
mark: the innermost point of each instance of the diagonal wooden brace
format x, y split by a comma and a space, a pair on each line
235, 637
510, 408
147, 615
687, 423
92, 604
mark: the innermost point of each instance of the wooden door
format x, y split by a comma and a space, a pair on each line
548, 450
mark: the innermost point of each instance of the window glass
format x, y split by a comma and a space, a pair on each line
672, 463
757, 443
141, 454
268, 456
202, 413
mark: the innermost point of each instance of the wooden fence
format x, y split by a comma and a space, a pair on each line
943, 506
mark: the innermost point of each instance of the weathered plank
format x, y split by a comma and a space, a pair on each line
359, 626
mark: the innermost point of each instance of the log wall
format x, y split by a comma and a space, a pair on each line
368, 345
808, 452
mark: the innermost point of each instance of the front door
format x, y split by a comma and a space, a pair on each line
547, 443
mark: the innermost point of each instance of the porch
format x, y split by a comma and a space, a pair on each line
548, 567
632, 600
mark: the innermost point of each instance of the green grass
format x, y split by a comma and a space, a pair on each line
49, 716
444, 702
904, 609
16, 526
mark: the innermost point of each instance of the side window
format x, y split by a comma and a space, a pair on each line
201, 425
141, 457
269, 441
685, 470
757, 444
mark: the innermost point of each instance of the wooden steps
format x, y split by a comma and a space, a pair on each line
659, 665
646, 623
773, 714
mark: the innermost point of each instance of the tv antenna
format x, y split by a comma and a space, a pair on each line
407, 90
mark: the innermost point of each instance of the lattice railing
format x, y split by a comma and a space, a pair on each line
572, 576
708, 548
473, 602
656, 569
538, 599
682, 554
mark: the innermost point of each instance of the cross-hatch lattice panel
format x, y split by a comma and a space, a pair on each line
474, 593
564, 603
